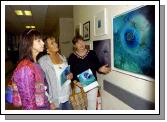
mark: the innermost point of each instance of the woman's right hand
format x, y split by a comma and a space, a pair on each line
52, 106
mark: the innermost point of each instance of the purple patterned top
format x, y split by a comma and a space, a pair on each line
31, 85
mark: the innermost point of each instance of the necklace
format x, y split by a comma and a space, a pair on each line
81, 57
59, 66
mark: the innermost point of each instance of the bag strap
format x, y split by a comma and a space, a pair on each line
73, 90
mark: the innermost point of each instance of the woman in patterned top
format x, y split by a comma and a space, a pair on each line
29, 83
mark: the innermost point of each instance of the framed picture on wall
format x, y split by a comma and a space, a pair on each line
100, 23
86, 31
133, 33
103, 51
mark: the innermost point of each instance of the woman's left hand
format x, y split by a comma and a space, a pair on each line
52, 106
70, 76
105, 69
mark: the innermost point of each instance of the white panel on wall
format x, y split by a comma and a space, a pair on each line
110, 102
66, 35
141, 88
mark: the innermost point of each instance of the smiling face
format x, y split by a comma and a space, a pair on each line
80, 45
52, 46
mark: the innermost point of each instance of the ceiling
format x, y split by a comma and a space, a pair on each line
44, 17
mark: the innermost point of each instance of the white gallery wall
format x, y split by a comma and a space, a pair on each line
144, 89
66, 35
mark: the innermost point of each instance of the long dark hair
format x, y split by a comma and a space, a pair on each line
26, 43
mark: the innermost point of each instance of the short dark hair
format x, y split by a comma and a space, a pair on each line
46, 39
76, 39
26, 43
46, 42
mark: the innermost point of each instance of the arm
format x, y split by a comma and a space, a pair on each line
71, 62
99, 68
96, 61
70, 75
104, 69
73, 69
49, 96
25, 81
44, 68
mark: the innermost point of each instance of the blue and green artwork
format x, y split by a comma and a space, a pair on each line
86, 78
134, 41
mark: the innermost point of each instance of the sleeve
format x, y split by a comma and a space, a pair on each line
44, 68
25, 81
49, 94
71, 62
96, 61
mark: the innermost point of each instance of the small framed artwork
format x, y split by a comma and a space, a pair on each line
86, 31
100, 23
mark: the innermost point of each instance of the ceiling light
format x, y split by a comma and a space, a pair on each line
32, 26
18, 12
27, 13
27, 26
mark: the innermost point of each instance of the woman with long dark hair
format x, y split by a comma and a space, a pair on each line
29, 83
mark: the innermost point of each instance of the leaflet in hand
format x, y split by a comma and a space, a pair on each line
64, 74
87, 80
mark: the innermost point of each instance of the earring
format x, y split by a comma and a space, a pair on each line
47, 51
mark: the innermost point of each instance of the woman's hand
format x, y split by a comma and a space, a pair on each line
105, 69
70, 76
52, 106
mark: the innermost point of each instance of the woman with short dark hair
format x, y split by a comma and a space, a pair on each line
53, 64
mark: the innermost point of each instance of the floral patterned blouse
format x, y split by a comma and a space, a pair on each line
29, 82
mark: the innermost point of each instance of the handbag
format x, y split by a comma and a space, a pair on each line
9, 92
78, 100
12, 95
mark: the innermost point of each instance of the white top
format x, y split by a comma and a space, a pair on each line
65, 89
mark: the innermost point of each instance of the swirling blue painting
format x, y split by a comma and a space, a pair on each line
134, 41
